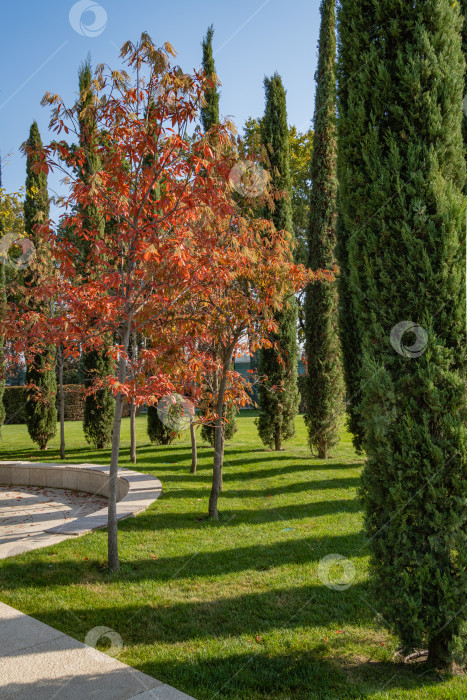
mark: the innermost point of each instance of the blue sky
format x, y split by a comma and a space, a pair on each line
40, 50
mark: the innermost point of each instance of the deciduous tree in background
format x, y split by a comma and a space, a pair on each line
2, 355
323, 378
300, 153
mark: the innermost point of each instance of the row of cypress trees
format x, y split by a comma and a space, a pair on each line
278, 395
394, 219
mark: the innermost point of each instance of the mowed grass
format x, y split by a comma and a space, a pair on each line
233, 608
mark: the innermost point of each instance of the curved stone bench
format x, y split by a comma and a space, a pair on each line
136, 491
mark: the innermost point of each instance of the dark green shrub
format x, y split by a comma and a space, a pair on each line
230, 427
159, 433
99, 407
41, 413
14, 401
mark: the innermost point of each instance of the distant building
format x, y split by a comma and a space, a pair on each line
16, 377
243, 364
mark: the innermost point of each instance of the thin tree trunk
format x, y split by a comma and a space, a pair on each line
194, 451
217, 469
278, 439
62, 403
132, 431
219, 388
222, 458
113, 563
133, 410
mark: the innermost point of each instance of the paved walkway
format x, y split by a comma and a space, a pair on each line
39, 663
44, 521
27, 512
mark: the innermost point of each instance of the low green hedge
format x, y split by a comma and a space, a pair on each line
15, 398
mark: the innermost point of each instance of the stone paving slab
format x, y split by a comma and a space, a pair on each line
27, 512
137, 492
39, 662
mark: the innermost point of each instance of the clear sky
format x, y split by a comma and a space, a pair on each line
41, 50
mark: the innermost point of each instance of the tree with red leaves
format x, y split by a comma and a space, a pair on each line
174, 268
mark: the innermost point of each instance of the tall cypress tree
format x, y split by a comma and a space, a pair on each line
99, 406
210, 111
278, 396
463, 5
2, 311
323, 379
404, 172
40, 373
209, 118
349, 136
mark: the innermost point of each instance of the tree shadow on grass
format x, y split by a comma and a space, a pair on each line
35, 569
288, 488
159, 518
153, 620
259, 675
263, 670
245, 459
162, 459
204, 473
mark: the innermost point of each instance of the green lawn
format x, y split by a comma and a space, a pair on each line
234, 608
